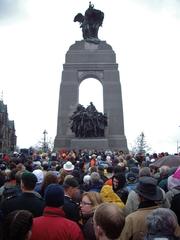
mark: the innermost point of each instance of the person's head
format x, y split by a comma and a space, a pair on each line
93, 156
39, 174
118, 181
17, 225
161, 221
50, 177
95, 178
86, 179
28, 181
118, 169
20, 167
164, 171
45, 165
11, 175
93, 169
145, 171
54, 195
108, 221
89, 202
131, 177
101, 170
18, 177
71, 186
68, 167
147, 189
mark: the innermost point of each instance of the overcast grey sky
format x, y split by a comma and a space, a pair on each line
145, 35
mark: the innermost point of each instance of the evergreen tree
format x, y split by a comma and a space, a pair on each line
141, 147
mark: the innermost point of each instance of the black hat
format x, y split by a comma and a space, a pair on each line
54, 195
131, 177
147, 188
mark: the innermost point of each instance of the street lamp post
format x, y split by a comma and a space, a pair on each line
44, 142
178, 145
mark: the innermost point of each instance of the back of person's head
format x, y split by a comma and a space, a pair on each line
108, 221
101, 169
128, 157
95, 177
20, 167
12, 165
50, 177
93, 169
54, 195
17, 225
70, 182
86, 179
164, 170
161, 222
109, 169
45, 165
145, 171
118, 169
131, 177
12, 174
28, 180
18, 177
39, 174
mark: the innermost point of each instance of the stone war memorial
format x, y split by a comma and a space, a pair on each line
86, 128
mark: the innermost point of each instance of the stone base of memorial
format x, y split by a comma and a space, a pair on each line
90, 143
115, 142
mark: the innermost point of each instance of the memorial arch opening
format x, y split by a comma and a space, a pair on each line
91, 90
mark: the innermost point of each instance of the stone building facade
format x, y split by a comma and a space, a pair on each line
7, 130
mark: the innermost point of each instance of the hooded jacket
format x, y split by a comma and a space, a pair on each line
53, 225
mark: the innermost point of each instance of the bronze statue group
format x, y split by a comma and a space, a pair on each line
88, 122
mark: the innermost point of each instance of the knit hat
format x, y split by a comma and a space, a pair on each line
54, 195
174, 180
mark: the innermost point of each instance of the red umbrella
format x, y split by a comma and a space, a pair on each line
170, 160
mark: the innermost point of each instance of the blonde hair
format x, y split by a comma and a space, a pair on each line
94, 197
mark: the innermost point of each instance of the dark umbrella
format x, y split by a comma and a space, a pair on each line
170, 160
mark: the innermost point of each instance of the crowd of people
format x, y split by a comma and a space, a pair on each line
91, 195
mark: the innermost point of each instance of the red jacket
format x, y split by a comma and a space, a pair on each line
54, 226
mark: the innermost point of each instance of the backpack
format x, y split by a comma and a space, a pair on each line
10, 192
175, 206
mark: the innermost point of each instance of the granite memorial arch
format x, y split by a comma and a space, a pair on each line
91, 58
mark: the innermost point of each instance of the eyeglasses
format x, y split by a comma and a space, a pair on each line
85, 203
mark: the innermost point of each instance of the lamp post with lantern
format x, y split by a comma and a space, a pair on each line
44, 141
